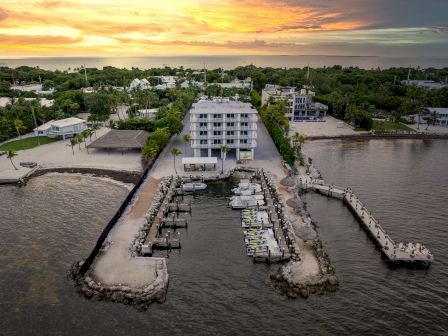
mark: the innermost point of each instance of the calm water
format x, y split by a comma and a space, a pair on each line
214, 287
227, 62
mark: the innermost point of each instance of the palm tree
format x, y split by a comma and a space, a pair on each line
85, 134
79, 140
432, 120
95, 127
10, 154
18, 124
224, 150
73, 142
186, 138
175, 151
298, 140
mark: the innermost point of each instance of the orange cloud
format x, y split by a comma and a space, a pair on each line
105, 27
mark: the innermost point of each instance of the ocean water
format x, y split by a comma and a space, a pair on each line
214, 287
227, 62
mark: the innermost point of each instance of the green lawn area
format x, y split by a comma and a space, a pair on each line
389, 126
26, 143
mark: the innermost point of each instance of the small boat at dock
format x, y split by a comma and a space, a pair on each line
193, 186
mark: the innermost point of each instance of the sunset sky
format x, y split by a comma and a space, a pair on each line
227, 27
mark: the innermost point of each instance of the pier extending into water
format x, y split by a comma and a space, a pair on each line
167, 216
395, 252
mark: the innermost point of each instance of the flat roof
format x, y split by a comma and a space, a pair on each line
121, 139
207, 106
67, 122
199, 160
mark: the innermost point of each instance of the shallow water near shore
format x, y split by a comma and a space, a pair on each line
214, 287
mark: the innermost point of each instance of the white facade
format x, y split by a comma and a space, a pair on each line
44, 102
147, 113
300, 105
425, 84
37, 88
442, 115
219, 122
63, 128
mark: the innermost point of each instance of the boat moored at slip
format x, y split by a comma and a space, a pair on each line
193, 186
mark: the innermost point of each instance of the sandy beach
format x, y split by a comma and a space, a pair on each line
59, 154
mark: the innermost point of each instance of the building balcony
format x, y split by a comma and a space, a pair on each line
199, 128
248, 128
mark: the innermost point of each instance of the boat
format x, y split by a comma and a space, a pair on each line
193, 186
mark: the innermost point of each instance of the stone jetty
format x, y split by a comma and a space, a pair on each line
395, 252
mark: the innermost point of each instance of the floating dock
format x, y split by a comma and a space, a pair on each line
265, 237
395, 252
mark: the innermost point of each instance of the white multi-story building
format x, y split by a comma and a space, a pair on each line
300, 105
219, 122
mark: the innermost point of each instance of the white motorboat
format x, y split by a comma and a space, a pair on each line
194, 186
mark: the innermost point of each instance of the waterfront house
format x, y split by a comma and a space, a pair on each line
441, 113
219, 122
63, 128
300, 105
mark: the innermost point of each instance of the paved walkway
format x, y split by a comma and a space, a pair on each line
116, 265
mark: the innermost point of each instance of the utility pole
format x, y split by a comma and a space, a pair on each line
35, 123
85, 74
409, 74
222, 81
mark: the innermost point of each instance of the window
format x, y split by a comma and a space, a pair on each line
243, 141
244, 132
230, 115
203, 142
217, 116
216, 132
216, 124
230, 133
202, 124
203, 116
230, 142
244, 115
230, 124
244, 124
203, 133
217, 142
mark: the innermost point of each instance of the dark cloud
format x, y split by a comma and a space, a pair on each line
296, 27
381, 13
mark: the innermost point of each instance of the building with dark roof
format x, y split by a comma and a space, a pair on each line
121, 140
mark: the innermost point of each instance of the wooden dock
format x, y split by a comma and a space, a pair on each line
154, 240
395, 252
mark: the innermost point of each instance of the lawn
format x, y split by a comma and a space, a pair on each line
26, 143
390, 127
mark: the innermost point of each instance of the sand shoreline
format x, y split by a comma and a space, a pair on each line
118, 175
